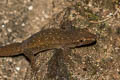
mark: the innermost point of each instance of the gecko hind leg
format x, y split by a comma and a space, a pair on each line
30, 56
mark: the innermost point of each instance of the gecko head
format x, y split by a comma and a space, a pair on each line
83, 37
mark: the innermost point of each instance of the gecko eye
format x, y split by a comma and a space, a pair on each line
81, 40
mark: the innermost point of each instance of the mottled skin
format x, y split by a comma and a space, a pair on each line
46, 40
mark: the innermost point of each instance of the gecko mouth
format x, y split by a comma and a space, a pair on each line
87, 45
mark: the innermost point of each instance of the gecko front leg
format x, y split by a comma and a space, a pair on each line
57, 69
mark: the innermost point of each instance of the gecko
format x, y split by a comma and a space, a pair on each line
46, 40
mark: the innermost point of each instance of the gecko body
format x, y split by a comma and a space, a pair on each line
48, 39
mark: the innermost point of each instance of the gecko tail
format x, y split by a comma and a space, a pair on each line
11, 49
